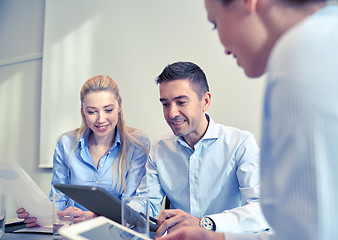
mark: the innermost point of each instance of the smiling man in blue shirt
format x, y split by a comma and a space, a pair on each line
209, 172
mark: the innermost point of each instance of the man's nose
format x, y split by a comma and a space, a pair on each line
173, 111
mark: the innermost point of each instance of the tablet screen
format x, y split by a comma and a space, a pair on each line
101, 228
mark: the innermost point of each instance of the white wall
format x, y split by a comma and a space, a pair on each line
178, 30
21, 28
132, 41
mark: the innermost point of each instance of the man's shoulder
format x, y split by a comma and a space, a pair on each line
166, 144
217, 130
232, 132
232, 136
166, 138
166, 141
140, 136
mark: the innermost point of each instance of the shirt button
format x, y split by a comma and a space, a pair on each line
193, 202
101, 165
97, 182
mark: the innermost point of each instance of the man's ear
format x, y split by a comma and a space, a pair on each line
206, 101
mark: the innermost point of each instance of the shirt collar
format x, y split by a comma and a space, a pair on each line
83, 143
211, 133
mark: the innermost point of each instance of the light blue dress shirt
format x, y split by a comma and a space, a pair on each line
77, 167
220, 176
299, 192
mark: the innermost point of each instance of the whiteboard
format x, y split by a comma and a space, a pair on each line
132, 41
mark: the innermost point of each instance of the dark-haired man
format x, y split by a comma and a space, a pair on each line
209, 172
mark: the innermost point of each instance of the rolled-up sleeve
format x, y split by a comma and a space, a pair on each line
249, 216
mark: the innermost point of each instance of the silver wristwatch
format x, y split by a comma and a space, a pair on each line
207, 223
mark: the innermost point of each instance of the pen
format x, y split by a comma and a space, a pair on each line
150, 217
153, 219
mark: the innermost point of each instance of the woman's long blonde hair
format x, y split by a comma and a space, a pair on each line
105, 83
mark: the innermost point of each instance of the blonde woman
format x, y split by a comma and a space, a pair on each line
102, 152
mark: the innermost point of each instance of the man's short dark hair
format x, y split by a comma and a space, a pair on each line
185, 70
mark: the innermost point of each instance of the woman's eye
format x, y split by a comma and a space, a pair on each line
109, 110
91, 112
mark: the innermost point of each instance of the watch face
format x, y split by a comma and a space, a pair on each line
207, 223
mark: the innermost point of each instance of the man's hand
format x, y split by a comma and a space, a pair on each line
192, 233
79, 215
173, 219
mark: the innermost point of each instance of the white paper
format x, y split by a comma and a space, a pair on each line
14, 221
46, 229
26, 192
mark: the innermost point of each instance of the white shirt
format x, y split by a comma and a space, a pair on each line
299, 157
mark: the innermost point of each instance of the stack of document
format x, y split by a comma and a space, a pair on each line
26, 192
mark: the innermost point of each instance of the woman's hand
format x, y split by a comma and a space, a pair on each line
30, 221
80, 215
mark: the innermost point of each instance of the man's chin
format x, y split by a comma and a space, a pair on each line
178, 133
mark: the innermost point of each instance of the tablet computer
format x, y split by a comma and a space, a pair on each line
98, 200
100, 228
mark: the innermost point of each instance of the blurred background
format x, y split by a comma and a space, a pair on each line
49, 48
